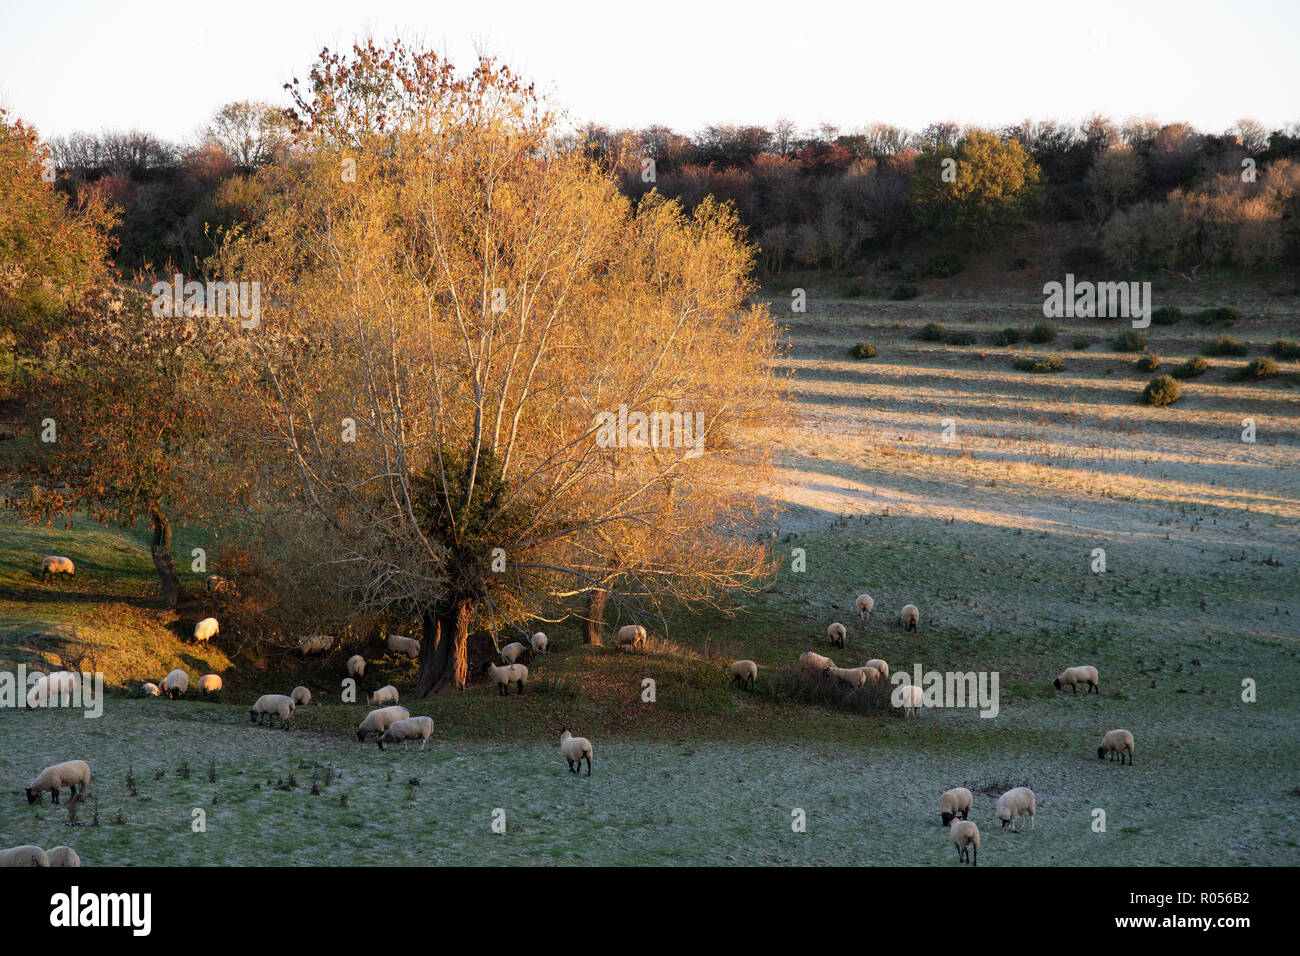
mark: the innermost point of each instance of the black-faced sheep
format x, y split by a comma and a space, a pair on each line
744, 673
503, 677
953, 802
633, 634
1018, 802
209, 684
965, 836
409, 728
377, 721
1078, 675
73, 774
574, 750
206, 630
910, 617
57, 564
175, 684
270, 706
865, 603
838, 634
1116, 742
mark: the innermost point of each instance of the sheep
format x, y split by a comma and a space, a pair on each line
175, 684
503, 677
814, 663
838, 633
865, 603
205, 630
633, 634
954, 801
315, 643
1078, 675
855, 678
209, 684
301, 696
870, 673
540, 643
409, 728
574, 749
270, 706
53, 690
910, 617
377, 721
383, 697
73, 774
879, 665
151, 689
512, 652
356, 666
744, 672
1116, 742
63, 856
911, 699
404, 645
57, 564
26, 855
1016, 803
965, 835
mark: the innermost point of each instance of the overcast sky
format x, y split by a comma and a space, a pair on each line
84, 65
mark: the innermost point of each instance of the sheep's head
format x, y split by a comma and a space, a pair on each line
252, 716
33, 795
1101, 753
1057, 683
1006, 822
948, 818
361, 736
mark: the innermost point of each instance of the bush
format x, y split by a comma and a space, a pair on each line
1080, 344
904, 290
863, 350
792, 684
961, 338
1225, 345
1130, 341
1222, 313
1259, 367
943, 264
910, 271
1285, 349
854, 290
1042, 332
1007, 337
1148, 363
1020, 262
1053, 363
932, 332
1193, 367
1167, 315
891, 263
1161, 390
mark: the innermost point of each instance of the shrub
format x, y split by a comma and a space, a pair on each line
1020, 262
1007, 337
1193, 367
943, 264
1222, 313
1080, 344
1285, 349
891, 263
1148, 363
1161, 390
863, 350
904, 290
1166, 315
1053, 363
1259, 367
793, 684
1042, 332
933, 332
961, 338
910, 271
1130, 341
854, 290
1225, 345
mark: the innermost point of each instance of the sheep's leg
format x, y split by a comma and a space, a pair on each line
55, 794
521, 687
976, 861
588, 766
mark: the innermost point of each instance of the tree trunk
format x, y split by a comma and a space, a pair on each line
595, 626
443, 652
161, 549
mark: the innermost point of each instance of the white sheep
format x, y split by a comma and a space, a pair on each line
57, 564
53, 690
503, 677
870, 673
356, 666
512, 652
404, 645
539, 642
744, 672
301, 696
838, 633
270, 706
879, 665
910, 617
209, 684
206, 629
953, 802
409, 728
383, 697
73, 774
315, 643
151, 689
911, 698
1016, 803
854, 677
1116, 742
865, 603
814, 663
26, 855
1078, 675
377, 721
633, 634
965, 835
63, 856
574, 749
175, 684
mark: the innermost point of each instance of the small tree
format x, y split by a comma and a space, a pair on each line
992, 184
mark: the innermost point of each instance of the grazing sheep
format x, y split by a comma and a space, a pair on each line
175, 684
910, 699
539, 643
356, 666
910, 617
73, 774
57, 564
954, 801
814, 663
383, 697
151, 689
965, 835
512, 652
270, 706
870, 673
1117, 742
315, 643
633, 634
301, 696
879, 665
855, 678
744, 672
404, 645
209, 684
1016, 803
574, 749
205, 630
503, 677
1078, 675
409, 728
865, 603
53, 690
377, 721
26, 855
838, 633
63, 856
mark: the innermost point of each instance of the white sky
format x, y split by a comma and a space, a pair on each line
152, 65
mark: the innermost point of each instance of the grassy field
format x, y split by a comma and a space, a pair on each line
992, 533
